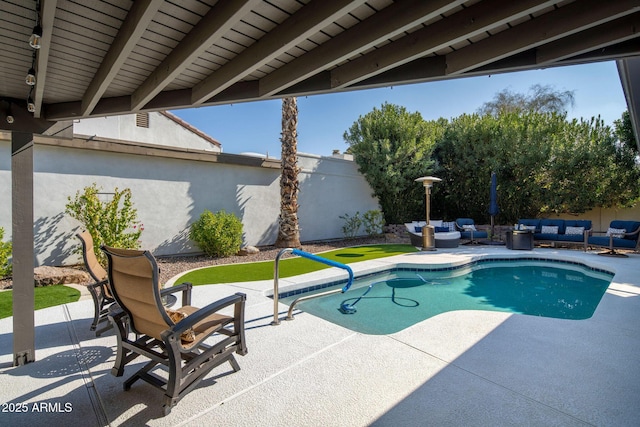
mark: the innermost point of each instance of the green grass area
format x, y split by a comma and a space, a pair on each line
231, 273
47, 296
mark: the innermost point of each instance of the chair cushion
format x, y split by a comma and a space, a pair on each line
451, 225
629, 226
187, 336
574, 231
616, 232
530, 224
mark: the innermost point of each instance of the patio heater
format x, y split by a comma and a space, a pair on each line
428, 232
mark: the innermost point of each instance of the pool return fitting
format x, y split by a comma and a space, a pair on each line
298, 252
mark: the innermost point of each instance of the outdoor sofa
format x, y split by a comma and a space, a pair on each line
445, 235
552, 231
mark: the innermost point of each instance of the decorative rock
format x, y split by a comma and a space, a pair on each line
46, 276
248, 250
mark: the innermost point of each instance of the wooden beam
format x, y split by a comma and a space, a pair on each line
564, 21
305, 22
387, 23
598, 37
47, 15
133, 27
217, 22
466, 24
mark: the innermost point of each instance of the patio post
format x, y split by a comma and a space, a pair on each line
23, 247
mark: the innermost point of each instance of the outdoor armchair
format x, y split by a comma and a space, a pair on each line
467, 229
173, 338
619, 235
99, 289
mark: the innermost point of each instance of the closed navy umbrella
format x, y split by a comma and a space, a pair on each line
493, 204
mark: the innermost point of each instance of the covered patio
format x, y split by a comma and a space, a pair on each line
116, 57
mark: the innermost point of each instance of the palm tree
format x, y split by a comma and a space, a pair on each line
289, 233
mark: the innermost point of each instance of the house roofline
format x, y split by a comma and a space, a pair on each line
190, 128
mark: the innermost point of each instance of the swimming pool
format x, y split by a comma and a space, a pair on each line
395, 299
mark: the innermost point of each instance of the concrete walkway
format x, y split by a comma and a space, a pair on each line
458, 368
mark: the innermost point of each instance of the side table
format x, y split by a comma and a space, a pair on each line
520, 239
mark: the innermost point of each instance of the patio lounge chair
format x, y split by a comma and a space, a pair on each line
100, 291
173, 338
467, 228
620, 235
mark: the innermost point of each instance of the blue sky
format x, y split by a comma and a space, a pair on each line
323, 119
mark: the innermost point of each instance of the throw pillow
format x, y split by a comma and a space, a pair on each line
436, 223
451, 225
573, 230
616, 232
469, 227
528, 227
187, 336
549, 229
441, 229
417, 229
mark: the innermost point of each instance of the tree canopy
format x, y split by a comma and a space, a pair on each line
545, 164
541, 99
392, 148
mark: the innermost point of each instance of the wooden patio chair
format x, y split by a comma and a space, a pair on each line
100, 291
173, 338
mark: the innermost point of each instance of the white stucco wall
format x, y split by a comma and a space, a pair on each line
170, 194
161, 131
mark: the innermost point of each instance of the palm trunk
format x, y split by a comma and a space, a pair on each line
289, 233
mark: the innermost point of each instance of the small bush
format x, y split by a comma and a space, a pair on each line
351, 224
5, 253
373, 221
112, 223
218, 235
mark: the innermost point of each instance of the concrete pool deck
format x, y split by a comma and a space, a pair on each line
458, 368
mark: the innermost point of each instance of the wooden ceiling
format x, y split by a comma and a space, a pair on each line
104, 57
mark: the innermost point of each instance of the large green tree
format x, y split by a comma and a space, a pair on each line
392, 148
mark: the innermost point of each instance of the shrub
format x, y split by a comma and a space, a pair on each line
218, 235
351, 224
112, 223
5, 252
373, 221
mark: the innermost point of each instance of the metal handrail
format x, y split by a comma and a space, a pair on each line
308, 297
276, 274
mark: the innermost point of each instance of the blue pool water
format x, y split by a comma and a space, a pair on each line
400, 298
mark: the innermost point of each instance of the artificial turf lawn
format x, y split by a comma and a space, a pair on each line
263, 270
46, 296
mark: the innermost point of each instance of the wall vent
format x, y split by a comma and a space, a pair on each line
142, 120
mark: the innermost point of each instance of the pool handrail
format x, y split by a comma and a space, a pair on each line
298, 252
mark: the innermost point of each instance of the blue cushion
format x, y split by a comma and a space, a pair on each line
546, 236
417, 229
476, 234
531, 222
442, 229
464, 221
617, 243
571, 237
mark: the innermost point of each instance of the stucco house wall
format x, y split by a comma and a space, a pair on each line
162, 128
171, 187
